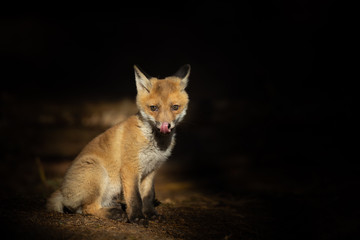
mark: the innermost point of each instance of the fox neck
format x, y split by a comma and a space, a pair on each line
162, 141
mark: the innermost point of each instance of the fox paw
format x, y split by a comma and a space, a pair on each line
139, 220
154, 216
157, 218
117, 214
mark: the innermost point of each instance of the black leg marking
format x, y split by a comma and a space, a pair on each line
135, 214
68, 210
134, 207
156, 202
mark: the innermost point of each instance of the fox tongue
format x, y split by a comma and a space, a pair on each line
164, 127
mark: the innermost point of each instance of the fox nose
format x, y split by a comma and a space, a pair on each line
165, 127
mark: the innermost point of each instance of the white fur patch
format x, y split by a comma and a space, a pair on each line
112, 189
147, 117
152, 157
181, 115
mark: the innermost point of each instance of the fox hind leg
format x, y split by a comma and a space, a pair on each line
114, 213
86, 186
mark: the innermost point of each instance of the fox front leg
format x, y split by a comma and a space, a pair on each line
132, 197
148, 197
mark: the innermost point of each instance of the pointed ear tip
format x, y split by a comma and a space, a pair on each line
188, 68
185, 68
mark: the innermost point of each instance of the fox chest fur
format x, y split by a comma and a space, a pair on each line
151, 158
155, 152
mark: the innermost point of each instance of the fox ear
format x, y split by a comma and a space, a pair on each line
142, 80
183, 73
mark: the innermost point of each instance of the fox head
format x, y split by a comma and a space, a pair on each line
162, 102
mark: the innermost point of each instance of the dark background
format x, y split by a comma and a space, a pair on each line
271, 102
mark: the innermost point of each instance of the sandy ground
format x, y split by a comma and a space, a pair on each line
202, 195
41, 149
188, 213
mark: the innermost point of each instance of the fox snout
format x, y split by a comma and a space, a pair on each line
164, 127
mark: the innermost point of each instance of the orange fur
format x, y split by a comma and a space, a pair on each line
126, 156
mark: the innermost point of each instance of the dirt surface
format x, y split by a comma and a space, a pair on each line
188, 213
42, 148
266, 150
209, 188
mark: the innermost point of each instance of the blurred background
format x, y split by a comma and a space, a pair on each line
270, 104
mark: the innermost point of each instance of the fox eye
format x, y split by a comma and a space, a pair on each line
154, 108
175, 107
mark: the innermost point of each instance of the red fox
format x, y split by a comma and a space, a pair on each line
124, 159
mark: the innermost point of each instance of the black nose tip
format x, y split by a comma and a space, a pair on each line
169, 126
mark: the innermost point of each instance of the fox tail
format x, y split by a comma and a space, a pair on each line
54, 203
